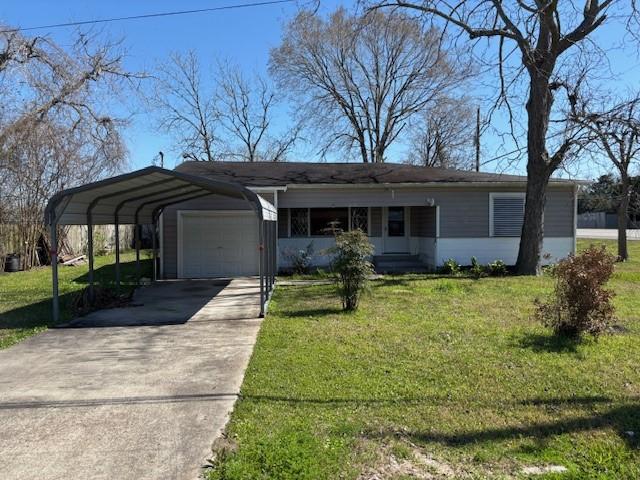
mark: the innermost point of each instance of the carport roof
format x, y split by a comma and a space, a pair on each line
134, 197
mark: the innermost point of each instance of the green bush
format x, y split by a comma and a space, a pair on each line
351, 265
476, 270
497, 268
450, 267
580, 303
300, 259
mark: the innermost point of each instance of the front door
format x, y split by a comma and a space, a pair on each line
396, 238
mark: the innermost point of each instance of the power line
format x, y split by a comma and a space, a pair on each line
148, 15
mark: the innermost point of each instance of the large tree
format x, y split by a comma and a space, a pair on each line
360, 80
548, 40
615, 129
227, 114
444, 135
55, 128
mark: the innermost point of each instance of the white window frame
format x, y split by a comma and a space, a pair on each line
493, 195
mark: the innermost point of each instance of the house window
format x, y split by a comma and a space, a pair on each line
324, 221
360, 219
299, 222
507, 214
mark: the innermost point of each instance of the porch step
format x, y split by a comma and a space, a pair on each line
399, 263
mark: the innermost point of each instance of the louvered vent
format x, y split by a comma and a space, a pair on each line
508, 215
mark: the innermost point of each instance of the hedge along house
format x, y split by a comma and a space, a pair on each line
409, 212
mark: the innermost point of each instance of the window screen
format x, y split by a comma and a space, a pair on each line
299, 222
508, 215
360, 219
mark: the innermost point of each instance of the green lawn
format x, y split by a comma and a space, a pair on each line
442, 375
25, 297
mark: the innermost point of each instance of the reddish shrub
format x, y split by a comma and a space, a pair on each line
580, 303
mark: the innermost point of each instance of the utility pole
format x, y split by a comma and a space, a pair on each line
477, 140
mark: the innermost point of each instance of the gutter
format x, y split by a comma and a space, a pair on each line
306, 186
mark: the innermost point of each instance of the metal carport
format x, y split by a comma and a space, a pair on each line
138, 198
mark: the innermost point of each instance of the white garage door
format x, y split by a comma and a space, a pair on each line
215, 244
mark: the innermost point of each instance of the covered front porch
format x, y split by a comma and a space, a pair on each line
404, 237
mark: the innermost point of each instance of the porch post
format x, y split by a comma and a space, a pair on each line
54, 269
117, 238
90, 254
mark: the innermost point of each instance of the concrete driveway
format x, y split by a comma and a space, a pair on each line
130, 393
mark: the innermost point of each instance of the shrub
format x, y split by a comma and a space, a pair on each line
476, 270
352, 266
580, 303
450, 267
497, 268
300, 259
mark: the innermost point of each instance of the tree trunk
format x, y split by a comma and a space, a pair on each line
623, 214
532, 229
538, 173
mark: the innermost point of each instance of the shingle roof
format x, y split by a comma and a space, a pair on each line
266, 174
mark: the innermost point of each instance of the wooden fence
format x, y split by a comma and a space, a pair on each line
75, 239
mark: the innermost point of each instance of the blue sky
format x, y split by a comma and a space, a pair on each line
243, 35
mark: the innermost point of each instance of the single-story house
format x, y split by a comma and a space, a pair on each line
430, 214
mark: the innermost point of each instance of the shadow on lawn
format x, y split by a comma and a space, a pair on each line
312, 312
106, 274
38, 314
549, 343
624, 419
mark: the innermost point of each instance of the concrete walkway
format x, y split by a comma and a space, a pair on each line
131, 393
606, 233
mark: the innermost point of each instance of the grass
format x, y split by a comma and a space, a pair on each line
25, 297
452, 370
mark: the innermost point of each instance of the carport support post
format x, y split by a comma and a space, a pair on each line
90, 254
153, 247
117, 238
54, 270
136, 232
261, 264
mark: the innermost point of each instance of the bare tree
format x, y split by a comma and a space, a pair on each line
361, 79
544, 34
616, 130
54, 129
443, 136
226, 115
187, 108
246, 108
